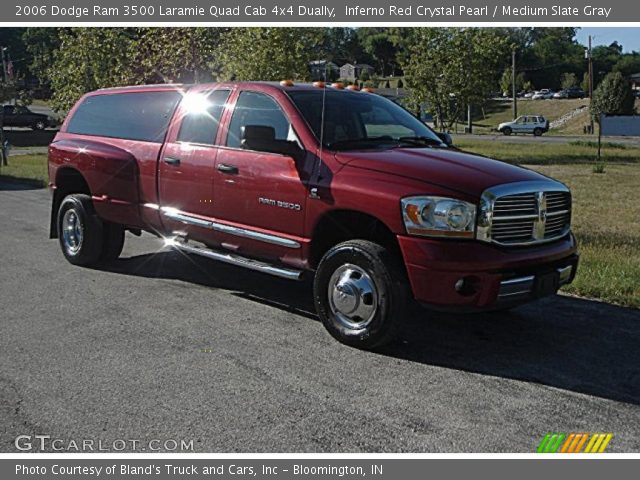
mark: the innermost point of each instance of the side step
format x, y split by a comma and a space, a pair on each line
233, 259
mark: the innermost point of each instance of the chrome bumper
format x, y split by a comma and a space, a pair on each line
525, 287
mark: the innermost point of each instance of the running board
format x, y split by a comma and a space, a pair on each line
233, 259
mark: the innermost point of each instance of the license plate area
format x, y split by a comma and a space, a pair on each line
546, 284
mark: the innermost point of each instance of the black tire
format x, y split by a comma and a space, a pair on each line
112, 242
507, 131
88, 246
380, 267
39, 125
537, 132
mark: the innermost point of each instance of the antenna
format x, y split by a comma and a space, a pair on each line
314, 190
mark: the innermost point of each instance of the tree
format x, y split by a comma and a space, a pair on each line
7, 92
382, 44
613, 97
505, 81
568, 80
271, 53
448, 83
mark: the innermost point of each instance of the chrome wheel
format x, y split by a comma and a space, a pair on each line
353, 296
72, 232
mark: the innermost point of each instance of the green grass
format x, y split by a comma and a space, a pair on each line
549, 153
606, 210
606, 221
27, 167
594, 144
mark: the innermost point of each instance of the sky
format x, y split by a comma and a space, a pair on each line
628, 37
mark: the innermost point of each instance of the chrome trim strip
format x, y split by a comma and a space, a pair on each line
175, 214
564, 274
516, 286
514, 281
239, 261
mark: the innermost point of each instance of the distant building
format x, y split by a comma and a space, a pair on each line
319, 68
351, 72
635, 81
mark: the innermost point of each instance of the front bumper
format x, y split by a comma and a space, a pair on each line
473, 275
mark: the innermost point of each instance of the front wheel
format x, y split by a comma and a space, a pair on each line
506, 131
39, 125
360, 293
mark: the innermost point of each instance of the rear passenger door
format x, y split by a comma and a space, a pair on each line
260, 194
186, 166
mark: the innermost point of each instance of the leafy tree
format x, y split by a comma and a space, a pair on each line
628, 64
382, 44
269, 53
568, 80
613, 96
448, 83
505, 81
42, 43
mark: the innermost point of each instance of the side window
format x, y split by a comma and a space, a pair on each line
200, 123
254, 108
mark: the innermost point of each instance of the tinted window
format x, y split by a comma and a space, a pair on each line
201, 121
257, 109
141, 116
357, 116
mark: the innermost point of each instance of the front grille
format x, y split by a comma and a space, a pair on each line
530, 217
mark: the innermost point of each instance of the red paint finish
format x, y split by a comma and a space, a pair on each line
131, 182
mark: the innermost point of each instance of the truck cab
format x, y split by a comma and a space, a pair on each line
318, 180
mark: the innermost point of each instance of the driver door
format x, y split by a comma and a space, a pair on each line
259, 196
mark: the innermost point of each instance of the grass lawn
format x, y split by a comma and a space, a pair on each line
550, 153
606, 209
27, 167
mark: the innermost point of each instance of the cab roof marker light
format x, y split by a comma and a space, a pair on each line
338, 85
369, 90
355, 88
286, 83
319, 84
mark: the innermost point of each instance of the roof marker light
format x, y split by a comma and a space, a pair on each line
369, 89
286, 83
355, 88
319, 84
338, 85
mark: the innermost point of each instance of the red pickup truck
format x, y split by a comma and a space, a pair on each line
286, 179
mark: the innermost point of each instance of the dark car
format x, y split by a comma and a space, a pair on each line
19, 116
575, 92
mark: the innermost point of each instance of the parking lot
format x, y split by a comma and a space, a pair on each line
165, 346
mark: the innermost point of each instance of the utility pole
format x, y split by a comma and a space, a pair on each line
4, 65
513, 83
588, 53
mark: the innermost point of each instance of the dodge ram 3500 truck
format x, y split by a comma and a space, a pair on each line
286, 179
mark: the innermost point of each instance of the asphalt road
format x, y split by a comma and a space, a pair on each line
546, 138
169, 347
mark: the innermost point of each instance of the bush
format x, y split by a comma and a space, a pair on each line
612, 97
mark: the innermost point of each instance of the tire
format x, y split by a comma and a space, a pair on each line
537, 132
362, 320
112, 242
39, 125
80, 231
507, 131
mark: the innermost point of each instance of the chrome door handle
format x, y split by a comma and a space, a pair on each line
171, 161
228, 169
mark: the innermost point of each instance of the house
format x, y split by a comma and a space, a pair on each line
635, 81
350, 72
320, 68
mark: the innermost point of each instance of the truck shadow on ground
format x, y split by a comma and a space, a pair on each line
569, 343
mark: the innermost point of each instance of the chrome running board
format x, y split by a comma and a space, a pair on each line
180, 243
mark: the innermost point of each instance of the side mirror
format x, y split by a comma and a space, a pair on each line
263, 139
446, 138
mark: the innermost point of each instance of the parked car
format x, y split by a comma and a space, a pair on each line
295, 180
19, 116
535, 124
543, 94
530, 94
573, 92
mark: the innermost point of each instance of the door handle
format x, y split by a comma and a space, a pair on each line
228, 169
171, 161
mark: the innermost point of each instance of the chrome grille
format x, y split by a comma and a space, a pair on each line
525, 213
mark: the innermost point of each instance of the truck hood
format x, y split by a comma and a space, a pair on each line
455, 170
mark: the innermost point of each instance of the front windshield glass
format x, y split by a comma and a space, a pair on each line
358, 120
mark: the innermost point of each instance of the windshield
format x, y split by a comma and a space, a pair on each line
356, 121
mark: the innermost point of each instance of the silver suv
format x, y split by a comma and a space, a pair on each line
535, 124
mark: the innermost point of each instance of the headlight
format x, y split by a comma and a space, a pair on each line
438, 217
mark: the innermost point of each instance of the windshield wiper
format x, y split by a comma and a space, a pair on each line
357, 143
421, 141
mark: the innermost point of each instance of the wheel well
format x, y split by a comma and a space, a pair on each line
342, 225
68, 180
